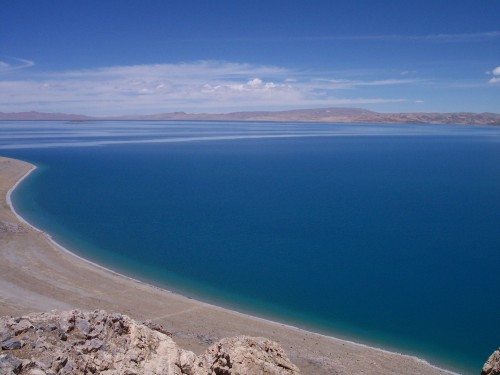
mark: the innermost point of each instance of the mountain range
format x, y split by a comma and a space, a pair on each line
344, 115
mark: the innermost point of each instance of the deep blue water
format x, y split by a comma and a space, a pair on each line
385, 234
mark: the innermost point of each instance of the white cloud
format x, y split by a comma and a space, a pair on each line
256, 82
385, 82
351, 84
15, 64
496, 73
205, 86
460, 37
429, 38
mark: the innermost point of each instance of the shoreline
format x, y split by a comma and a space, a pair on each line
302, 358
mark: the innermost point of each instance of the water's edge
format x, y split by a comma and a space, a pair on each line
49, 237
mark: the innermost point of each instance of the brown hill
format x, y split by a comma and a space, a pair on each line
33, 115
343, 115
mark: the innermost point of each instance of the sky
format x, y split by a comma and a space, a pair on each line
215, 56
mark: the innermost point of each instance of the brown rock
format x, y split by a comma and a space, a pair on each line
112, 344
492, 365
246, 355
22, 326
156, 327
9, 364
6, 227
11, 344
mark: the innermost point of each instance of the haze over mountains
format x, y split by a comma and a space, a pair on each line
344, 115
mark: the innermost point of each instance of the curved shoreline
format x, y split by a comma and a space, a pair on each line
200, 304
61, 247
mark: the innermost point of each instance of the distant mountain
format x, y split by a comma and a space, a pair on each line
291, 115
42, 116
345, 115
458, 118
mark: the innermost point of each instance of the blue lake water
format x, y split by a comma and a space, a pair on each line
385, 234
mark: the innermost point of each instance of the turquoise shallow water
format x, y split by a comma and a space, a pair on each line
382, 234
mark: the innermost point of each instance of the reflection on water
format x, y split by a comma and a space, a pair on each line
44, 134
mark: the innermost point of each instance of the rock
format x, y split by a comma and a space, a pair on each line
187, 362
92, 346
37, 371
9, 364
22, 327
5, 335
246, 355
492, 365
82, 325
76, 342
156, 327
67, 321
6, 227
11, 344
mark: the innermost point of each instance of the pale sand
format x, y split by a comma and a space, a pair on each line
38, 275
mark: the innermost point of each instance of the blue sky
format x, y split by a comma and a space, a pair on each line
135, 57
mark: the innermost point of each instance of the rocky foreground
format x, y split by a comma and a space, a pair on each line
492, 365
76, 342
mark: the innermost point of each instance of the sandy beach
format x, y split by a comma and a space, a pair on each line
38, 275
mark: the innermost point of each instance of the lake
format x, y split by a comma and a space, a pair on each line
382, 234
